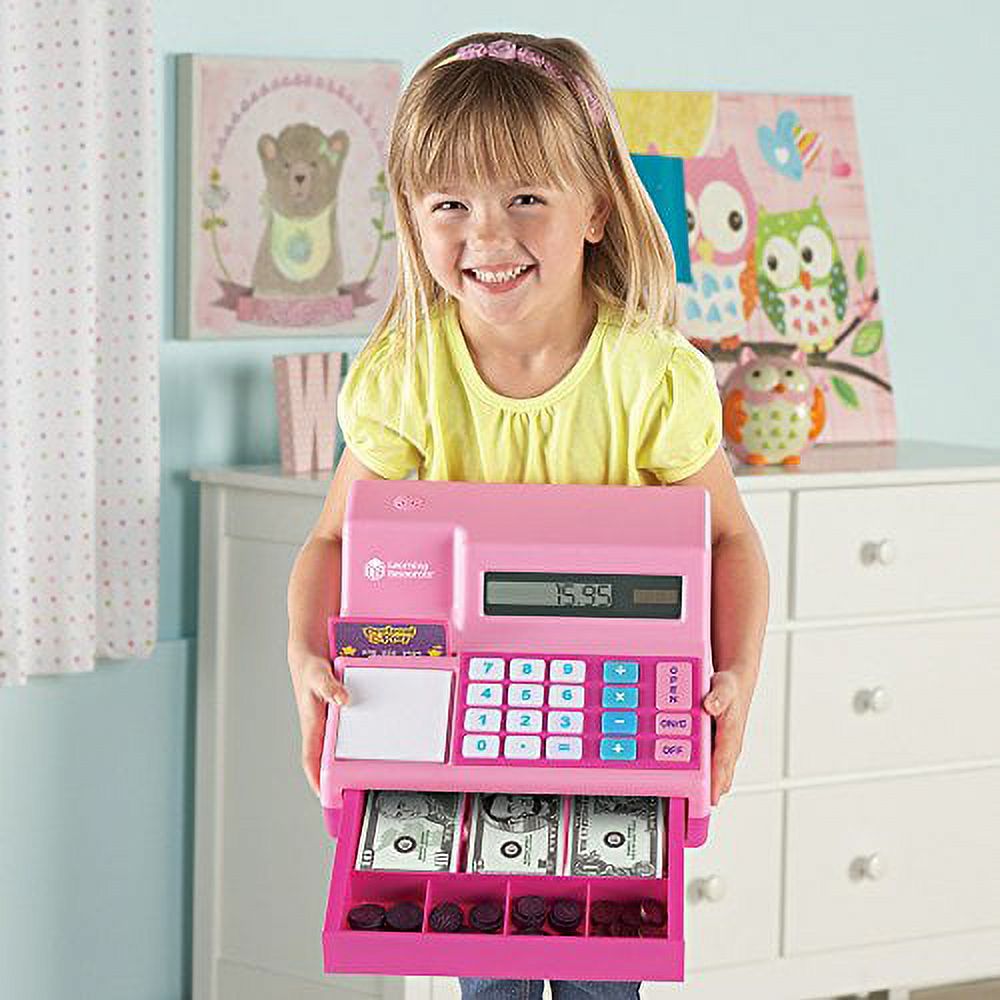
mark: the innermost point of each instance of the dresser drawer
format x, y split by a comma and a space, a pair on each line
770, 515
886, 549
889, 860
890, 696
732, 907
270, 517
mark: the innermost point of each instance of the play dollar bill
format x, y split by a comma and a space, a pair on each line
516, 834
621, 835
410, 831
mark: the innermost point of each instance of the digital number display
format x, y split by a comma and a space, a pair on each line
577, 595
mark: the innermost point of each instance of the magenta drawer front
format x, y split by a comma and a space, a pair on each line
587, 953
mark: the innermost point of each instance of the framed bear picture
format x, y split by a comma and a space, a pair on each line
284, 220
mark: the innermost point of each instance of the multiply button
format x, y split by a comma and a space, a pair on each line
619, 697
670, 750
621, 671
673, 685
617, 749
668, 724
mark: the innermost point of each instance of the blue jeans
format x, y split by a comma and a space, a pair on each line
531, 989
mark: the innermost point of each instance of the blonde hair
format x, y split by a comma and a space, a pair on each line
487, 120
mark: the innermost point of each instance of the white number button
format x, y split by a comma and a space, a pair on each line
484, 694
563, 747
523, 747
525, 696
523, 720
486, 668
569, 671
566, 696
565, 722
482, 720
482, 745
527, 670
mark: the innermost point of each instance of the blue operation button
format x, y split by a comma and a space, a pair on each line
615, 748
621, 672
618, 697
624, 723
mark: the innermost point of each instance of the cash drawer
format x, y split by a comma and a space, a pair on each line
507, 951
894, 549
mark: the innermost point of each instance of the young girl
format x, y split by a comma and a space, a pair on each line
529, 339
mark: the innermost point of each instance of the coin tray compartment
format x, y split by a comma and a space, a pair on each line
386, 889
550, 888
467, 889
630, 890
502, 954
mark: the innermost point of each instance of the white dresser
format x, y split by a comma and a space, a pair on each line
860, 845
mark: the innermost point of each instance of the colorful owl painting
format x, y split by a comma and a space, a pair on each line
721, 221
800, 276
771, 408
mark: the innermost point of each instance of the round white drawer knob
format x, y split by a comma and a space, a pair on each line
883, 552
711, 889
871, 866
875, 700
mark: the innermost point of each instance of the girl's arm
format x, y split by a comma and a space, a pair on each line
740, 585
313, 596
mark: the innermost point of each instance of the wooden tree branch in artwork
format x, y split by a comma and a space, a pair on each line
867, 341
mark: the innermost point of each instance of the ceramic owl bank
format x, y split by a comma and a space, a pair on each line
771, 408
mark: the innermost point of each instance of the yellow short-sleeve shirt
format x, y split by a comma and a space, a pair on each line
635, 409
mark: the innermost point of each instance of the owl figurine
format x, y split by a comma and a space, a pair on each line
771, 408
721, 219
800, 276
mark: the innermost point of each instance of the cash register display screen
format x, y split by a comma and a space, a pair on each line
578, 595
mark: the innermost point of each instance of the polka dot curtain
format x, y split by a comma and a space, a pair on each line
79, 343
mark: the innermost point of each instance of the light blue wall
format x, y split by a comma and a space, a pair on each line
96, 771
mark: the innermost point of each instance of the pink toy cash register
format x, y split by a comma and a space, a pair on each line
521, 641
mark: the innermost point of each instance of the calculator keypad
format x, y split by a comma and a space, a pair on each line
570, 710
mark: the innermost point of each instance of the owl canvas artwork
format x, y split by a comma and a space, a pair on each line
781, 262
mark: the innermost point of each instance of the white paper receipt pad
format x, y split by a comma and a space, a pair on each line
394, 713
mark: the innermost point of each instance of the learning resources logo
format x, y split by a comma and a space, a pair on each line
405, 569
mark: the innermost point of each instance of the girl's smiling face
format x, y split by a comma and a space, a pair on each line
534, 230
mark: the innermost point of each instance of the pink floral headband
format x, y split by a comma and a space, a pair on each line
501, 48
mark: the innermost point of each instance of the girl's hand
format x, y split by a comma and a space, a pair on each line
315, 687
728, 702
